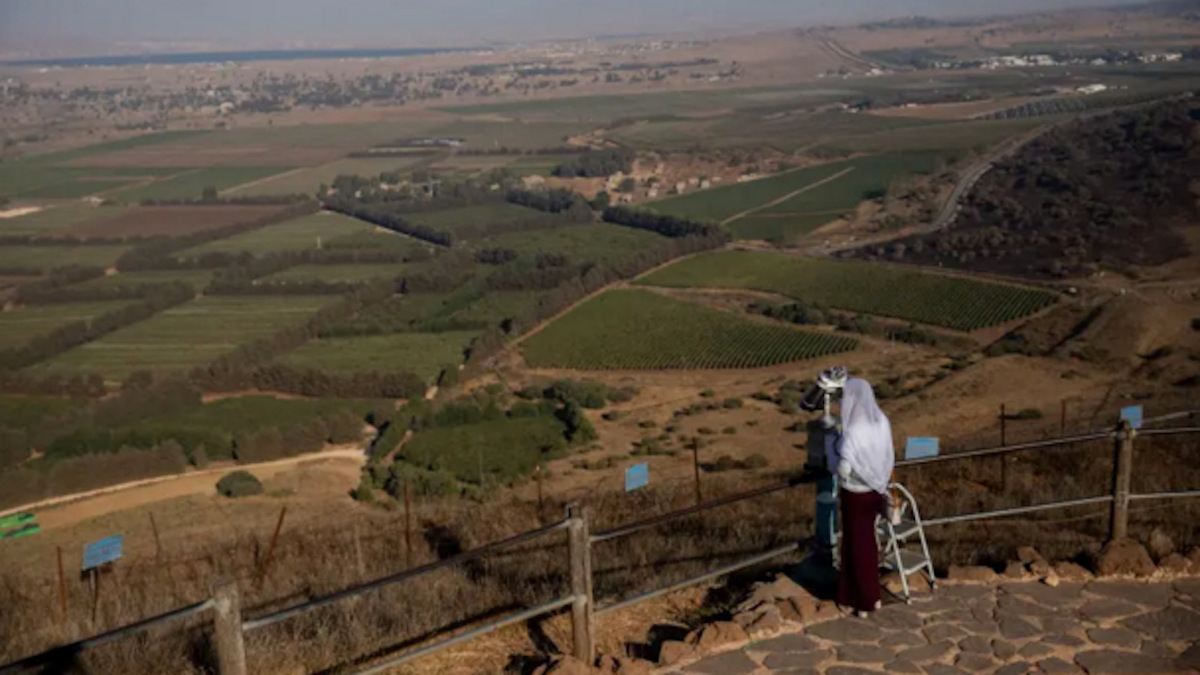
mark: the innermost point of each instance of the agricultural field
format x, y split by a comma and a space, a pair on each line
20, 325
306, 181
869, 178
308, 232
939, 300
346, 274
497, 306
190, 184
423, 354
74, 189
954, 138
470, 217
157, 221
54, 219
378, 239
600, 243
494, 135
197, 279
720, 203
499, 450
777, 228
641, 330
186, 336
49, 257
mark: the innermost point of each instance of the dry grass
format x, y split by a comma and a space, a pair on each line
321, 557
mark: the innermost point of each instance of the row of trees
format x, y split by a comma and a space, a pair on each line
666, 225
42, 347
597, 163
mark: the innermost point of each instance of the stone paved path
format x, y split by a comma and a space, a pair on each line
1099, 628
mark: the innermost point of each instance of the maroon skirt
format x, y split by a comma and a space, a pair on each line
858, 583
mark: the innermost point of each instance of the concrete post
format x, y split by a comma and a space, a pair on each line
231, 649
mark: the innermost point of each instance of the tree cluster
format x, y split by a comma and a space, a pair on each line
597, 163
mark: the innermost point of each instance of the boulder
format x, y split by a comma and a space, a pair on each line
782, 588
767, 621
1124, 557
716, 635
975, 574
824, 611
1159, 544
1029, 555
1175, 564
674, 651
1050, 578
917, 582
1069, 571
1015, 570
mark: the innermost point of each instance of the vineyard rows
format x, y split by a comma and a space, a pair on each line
953, 302
640, 330
1074, 104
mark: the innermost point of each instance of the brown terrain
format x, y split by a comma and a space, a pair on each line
153, 221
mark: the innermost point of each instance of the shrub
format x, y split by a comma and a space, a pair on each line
647, 424
364, 492
621, 395
707, 431
755, 461
731, 403
239, 484
729, 431
199, 457
707, 393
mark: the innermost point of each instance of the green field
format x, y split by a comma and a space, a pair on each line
468, 217
892, 291
107, 147
197, 279
780, 229
497, 306
599, 243
74, 189
378, 239
871, 177
49, 257
491, 135
19, 325
306, 181
500, 450
641, 330
188, 335
944, 137
348, 274
424, 354
346, 137
718, 204
55, 218
294, 235
190, 184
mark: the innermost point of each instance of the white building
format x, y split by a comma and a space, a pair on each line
1092, 89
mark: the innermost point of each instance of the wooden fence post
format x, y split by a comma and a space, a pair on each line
231, 649
696, 466
266, 565
579, 547
62, 586
1003, 425
1118, 525
157, 543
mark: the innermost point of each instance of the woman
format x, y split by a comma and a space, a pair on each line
864, 459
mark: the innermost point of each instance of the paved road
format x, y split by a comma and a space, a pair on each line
1100, 628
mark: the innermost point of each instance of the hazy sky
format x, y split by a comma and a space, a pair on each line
82, 24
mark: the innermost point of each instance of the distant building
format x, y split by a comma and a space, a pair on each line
680, 187
652, 193
1092, 89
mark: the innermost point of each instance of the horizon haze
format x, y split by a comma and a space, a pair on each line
35, 28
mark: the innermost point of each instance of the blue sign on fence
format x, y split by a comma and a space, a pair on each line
106, 550
1133, 415
637, 477
920, 448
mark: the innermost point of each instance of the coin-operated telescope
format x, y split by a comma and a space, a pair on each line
823, 435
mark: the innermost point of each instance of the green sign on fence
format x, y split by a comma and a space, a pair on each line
18, 525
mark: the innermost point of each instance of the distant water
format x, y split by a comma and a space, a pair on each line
189, 58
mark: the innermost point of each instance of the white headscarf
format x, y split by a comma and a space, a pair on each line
866, 442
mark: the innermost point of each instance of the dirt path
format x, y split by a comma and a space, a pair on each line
788, 196
260, 181
134, 493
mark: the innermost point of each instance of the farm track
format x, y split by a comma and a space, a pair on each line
788, 196
337, 453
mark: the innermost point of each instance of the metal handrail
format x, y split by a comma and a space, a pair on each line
103, 638
465, 556
1017, 510
1005, 449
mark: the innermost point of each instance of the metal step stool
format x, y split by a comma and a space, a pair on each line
895, 556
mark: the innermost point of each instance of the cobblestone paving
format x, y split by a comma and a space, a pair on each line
1099, 628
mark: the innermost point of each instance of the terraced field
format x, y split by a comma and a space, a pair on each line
641, 330
952, 302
